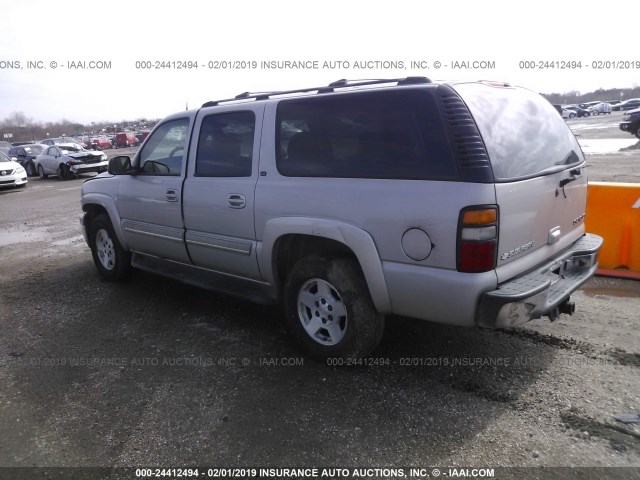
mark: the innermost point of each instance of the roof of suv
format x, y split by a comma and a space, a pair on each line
343, 85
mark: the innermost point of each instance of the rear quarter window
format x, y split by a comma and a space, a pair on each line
393, 134
522, 132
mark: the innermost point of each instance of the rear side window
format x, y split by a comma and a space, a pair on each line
385, 134
522, 132
225, 145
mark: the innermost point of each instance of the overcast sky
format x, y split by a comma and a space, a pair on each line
52, 34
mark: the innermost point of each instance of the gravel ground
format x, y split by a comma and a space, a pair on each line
153, 372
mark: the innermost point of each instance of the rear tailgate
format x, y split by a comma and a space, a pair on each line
538, 166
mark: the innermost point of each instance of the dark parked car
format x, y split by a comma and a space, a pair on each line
631, 122
630, 104
25, 156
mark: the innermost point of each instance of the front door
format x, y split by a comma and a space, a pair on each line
150, 201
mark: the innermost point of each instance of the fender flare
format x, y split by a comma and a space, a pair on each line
358, 240
106, 202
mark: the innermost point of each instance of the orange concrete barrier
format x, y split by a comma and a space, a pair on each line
613, 212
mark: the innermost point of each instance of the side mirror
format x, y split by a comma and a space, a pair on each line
120, 165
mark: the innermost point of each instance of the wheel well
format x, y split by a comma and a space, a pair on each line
289, 249
92, 211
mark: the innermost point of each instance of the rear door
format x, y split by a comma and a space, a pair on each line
220, 187
538, 166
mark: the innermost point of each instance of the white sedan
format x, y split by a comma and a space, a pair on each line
12, 174
68, 160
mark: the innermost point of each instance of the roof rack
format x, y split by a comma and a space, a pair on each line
342, 83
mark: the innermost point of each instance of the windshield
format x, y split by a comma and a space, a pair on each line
523, 133
4, 158
34, 149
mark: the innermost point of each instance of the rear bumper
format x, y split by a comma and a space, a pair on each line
541, 291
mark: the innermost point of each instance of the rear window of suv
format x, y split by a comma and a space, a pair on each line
522, 132
394, 134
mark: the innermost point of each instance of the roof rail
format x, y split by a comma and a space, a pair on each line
342, 83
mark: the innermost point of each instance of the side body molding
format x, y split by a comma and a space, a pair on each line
358, 240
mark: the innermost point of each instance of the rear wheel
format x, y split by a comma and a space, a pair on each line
329, 310
41, 173
111, 260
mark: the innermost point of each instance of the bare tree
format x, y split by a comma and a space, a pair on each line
18, 119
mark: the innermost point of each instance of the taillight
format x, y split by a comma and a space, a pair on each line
477, 239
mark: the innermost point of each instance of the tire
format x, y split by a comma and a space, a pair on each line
41, 173
31, 169
572, 115
329, 310
64, 172
638, 131
111, 260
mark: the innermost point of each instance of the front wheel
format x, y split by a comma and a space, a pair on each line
64, 172
329, 310
111, 260
31, 170
41, 173
638, 130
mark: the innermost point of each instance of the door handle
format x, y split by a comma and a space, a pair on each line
236, 200
172, 195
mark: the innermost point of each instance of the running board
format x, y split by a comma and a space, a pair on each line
252, 290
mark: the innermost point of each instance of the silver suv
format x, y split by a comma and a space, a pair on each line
460, 203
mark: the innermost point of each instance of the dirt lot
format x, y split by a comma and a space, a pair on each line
155, 373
